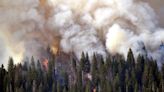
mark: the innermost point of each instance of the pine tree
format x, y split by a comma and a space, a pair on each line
82, 63
74, 65
136, 87
6, 83
87, 64
145, 78
33, 72
33, 62
58, 87
54, 86
79, 81
162, 71
94, 71
87, 87
2, 79
108, 87
139, 69
116, 84
11, 74
66, 79
50, 73
39, 73
102, 74
18, 75
130, 59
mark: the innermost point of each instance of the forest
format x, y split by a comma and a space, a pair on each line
89, 74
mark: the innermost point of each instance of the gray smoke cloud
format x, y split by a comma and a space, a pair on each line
27, 27
77, 35
21, 27
136, 23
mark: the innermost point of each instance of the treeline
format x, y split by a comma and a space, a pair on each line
113, 74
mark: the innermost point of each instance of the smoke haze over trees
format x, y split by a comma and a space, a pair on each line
113, 74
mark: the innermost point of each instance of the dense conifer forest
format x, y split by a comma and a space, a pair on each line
89, 74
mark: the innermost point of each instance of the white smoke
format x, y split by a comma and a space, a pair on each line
28, 26
77, 34
18, 20
141, 17
123, 23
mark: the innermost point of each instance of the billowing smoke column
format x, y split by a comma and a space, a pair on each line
135, 26
77, 35
27, 27
22, 29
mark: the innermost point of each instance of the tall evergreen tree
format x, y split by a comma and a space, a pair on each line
87, 64
87, 87
79, 81
32, 70
11, 73
74, 64
2, 79
130, 59
94, 71
82, 63
50, 73
58, 87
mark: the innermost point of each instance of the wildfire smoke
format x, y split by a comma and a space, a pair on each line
27, 27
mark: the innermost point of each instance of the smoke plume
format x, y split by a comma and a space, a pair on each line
27, 27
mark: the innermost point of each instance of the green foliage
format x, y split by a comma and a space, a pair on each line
87, 87
79, 80
130, 60
58, 87
11, 74
94, 71
85, 63
113, 74
74, 65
